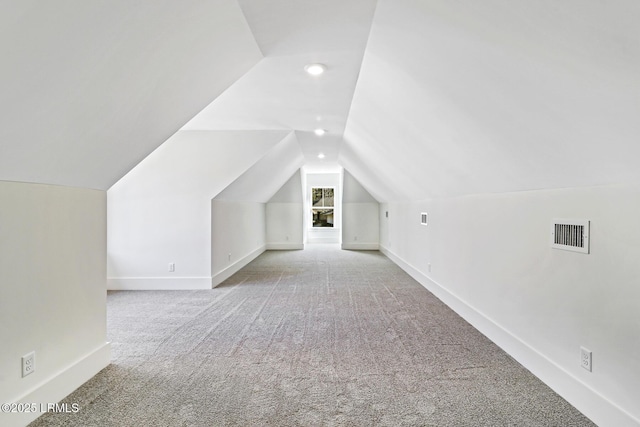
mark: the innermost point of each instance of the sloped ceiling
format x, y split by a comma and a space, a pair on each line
354, 192
451, 98
469, 97
197, 163
89, 88
260, 182
161, 208
291, 191
277, 93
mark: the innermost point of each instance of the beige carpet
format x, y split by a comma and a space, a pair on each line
320, 337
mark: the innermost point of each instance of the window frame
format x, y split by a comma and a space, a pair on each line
332, 208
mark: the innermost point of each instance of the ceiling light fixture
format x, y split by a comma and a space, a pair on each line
319, 132
321, 156
315, 69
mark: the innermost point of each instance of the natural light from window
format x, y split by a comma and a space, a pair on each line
322, 205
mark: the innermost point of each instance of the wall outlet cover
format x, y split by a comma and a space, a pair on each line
585, 359
28, 363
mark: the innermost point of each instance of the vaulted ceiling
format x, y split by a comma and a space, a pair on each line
277, 93
89, 89
420, 99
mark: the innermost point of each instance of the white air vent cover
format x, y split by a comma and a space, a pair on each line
570, 235
423, 218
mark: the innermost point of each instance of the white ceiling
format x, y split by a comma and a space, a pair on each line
420, 99
279, 164
277, 93
90, 88
464, 97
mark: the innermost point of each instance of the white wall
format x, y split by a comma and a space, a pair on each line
238, 212
489, 257
285, 214
360, 226
52, 291
238, 232
284, 226
264, 179
160, 212
360, 216
324, 235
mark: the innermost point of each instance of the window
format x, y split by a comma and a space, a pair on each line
322, 207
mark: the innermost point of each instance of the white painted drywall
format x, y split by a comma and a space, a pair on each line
360, 226
277, 93
238, 231
360, 216
491, 259
285, 214
238, 213
160, 212
291, 191
284, 225
466, 97
326, 234
52, 290
260, 182
95, 86
353, 191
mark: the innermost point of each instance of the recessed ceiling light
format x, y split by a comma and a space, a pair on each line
321, 156
315, 69
319, 132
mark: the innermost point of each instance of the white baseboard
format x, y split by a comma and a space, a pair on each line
596, 407
284, 246
58, 386
360, 246
157, 283
223, 275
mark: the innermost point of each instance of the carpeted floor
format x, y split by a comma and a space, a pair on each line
320, 337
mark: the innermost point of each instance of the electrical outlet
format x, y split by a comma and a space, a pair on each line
429, 267
585, 358
229, 256
28, 363
355, 238
172, 267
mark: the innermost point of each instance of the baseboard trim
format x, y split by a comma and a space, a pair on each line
360, 246
284, 246
157, 283
592, 404
59, 386
229, 271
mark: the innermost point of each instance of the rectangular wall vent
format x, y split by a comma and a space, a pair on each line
570, 235
423, 218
